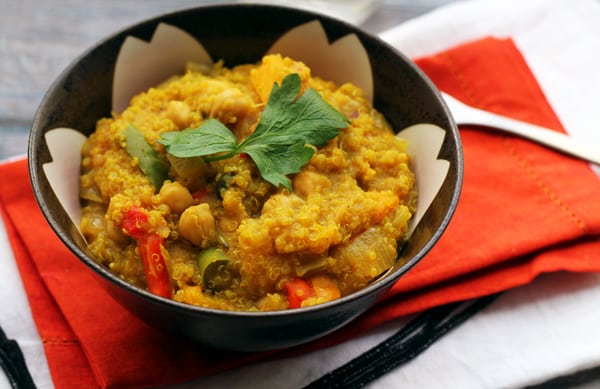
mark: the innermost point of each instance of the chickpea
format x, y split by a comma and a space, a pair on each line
176, 196
179, 113
197, 224
231, 104
115, 232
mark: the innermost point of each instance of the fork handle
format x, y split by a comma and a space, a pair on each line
539, 134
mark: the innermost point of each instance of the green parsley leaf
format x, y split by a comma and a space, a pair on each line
211, 137
283, 141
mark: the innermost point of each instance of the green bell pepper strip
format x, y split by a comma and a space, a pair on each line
149, 162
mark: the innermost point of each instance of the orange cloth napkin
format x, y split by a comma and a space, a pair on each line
524, 210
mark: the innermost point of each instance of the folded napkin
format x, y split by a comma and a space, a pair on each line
524, 210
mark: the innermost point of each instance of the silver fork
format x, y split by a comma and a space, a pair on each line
465, 114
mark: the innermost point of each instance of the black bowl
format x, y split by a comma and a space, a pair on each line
242, 34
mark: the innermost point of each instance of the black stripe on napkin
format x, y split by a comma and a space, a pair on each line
13, 363
406, 344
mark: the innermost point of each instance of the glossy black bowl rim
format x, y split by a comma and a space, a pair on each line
385, 282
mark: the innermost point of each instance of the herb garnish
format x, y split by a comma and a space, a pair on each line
283, 141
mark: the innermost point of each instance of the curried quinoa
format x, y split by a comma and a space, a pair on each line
217, 234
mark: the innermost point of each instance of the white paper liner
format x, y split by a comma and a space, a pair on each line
424, 144
330, 61
63, 172
141, 65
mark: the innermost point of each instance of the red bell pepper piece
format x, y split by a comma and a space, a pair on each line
157, 276
201, 195
135, 222
298, 290
150, 244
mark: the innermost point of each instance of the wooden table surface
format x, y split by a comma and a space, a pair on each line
38, 39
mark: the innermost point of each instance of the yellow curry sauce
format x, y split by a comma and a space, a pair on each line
225, 237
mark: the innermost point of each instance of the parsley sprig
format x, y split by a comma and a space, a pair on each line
283, 141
